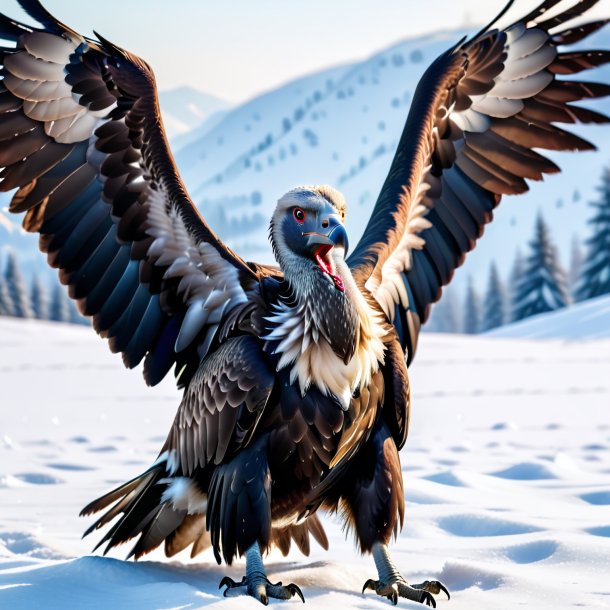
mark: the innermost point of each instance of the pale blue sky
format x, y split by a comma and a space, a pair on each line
236, 49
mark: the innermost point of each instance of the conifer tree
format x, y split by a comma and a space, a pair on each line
60, 307
516, 273
576, 263
472, 310
543, 284
595, 276
39, 299
444, 317
6, 303
494, 309
18, 295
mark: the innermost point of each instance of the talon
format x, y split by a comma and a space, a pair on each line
369, 584
228, 582
428, 599
264, 600
394, 597
434, 587
295, 590
443, 588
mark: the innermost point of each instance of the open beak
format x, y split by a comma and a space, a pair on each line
336, 237
322, 243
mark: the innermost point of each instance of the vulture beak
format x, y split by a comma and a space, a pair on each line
322, 243
336, 235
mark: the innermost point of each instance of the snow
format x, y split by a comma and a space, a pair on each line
587, 320
506, 473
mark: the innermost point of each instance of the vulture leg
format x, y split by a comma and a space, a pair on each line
373, 499
256, 584
392, 585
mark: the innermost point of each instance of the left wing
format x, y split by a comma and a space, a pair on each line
477, 115
82, 140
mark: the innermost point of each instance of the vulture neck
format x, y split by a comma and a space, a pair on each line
328, 338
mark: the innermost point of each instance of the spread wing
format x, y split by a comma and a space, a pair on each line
81, 138
477, 115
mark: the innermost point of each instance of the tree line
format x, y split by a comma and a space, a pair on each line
36, 300
537, 283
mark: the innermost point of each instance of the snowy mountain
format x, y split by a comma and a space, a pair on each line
185, 109
587, 320
341, 127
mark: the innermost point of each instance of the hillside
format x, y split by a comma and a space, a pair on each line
341, 126
587, 320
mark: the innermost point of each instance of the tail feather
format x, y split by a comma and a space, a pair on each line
143, 510
132, 490
165, 521
115, 494
189, 532
202, 543
282, 538
144, 513
317, 531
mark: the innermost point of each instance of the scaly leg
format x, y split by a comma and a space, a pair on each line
256, 584
392, 585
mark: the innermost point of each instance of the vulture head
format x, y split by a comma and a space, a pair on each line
308, 236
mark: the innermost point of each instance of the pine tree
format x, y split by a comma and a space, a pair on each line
576, 263
516, 273
60, 307
472, 310
595, 277
16, 288
543, 285
6, 303
494, 313
75, 316
444, 317
39, 299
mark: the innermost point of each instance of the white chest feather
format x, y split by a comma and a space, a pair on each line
304, 348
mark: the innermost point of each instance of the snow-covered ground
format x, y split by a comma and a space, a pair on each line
507, 478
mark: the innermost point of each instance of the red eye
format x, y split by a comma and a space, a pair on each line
299, 215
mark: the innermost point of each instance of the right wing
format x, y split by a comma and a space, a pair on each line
82, 140
477, 116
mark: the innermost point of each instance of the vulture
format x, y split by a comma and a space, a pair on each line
294, 377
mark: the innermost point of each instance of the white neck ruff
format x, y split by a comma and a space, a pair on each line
303, 346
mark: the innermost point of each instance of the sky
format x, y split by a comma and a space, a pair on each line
241, 48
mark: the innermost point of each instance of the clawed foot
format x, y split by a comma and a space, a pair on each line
423, 592
259, 587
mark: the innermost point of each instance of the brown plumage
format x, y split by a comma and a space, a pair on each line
296, 393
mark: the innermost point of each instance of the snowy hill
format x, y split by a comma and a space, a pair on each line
185, 108
506, 491
587, 320
341, 127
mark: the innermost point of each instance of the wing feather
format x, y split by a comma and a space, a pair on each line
477, 114
82, 141
222, 405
